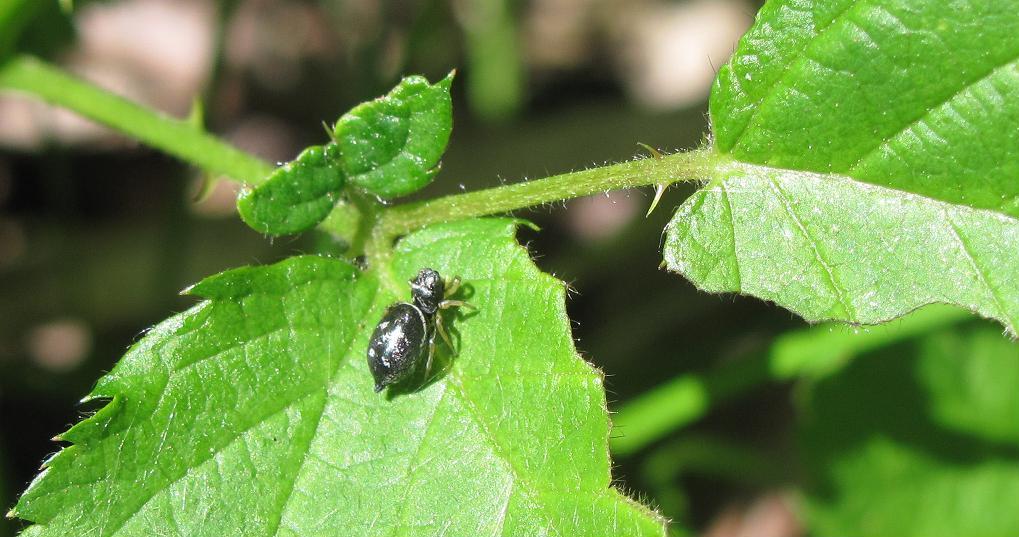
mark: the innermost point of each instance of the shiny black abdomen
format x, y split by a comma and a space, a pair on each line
399, 342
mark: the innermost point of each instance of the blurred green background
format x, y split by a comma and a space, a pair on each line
746, 421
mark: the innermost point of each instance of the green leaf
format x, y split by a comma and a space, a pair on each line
917, 96
391, 146
905, 114
828, 247
51, 28
922, 439
260, 399
297, 195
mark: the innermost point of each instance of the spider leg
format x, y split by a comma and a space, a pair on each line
453, 287
431, 355
445, 336
445, 304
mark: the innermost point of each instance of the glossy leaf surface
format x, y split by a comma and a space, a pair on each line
929, 448
391, 146
918, 96
297, 195
259, 398
906, 114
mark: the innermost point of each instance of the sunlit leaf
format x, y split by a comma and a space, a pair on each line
253, 413
905, 112
919, 96
828, 247
391, 146
297, 196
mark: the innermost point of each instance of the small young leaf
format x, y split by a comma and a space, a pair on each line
391, 146
253, 413
918, 99
919, 440
297, 195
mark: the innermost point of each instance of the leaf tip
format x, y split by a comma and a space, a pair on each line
448, 81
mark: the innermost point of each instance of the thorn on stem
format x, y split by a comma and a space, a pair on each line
206, 184
329, 131
654, 152
196, 115
660, 188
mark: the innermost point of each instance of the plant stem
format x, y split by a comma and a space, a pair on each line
174, 136
689, 166
194, 145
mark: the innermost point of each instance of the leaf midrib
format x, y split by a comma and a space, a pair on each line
332, 378
780, 80
928, 111
455, 379
819, 258
377, 167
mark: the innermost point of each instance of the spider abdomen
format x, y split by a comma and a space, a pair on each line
399, 342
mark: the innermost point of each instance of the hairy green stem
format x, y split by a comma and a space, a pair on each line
192, 144
174, 136
689, 166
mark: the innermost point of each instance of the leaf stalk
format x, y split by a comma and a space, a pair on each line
687, 166
376, 227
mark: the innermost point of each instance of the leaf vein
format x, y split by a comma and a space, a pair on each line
946, 102
979, 272
318, 419
120, 524
821, 32
409, 476
457, 382
275, 527
840, 292
732, 228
